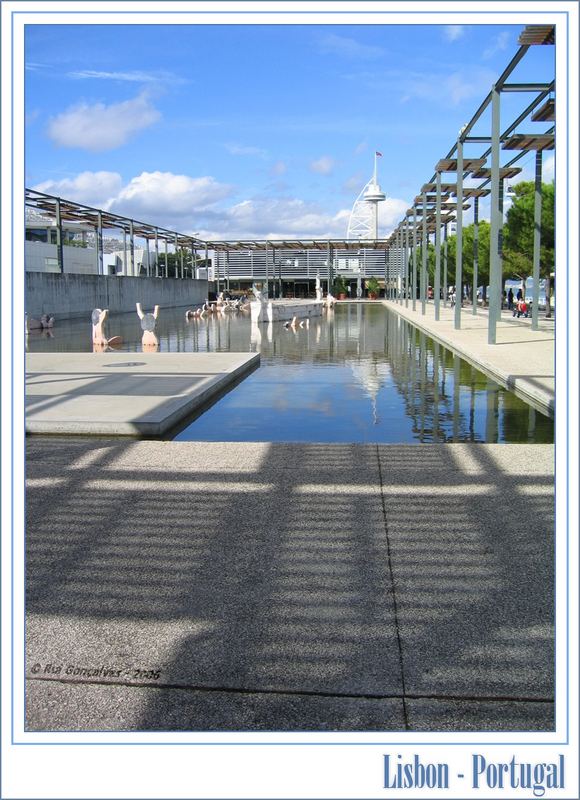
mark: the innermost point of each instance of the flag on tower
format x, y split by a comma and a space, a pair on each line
378, 154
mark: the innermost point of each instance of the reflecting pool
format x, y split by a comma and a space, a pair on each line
358, 374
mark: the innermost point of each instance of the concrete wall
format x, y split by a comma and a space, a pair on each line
76, 295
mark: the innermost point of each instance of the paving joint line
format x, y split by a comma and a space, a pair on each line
300, 693
392, 577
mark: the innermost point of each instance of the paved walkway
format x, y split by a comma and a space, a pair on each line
194, 586
125, 394
522, 360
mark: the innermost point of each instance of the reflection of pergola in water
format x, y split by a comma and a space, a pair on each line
372, 376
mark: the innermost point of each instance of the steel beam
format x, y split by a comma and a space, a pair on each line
525, 87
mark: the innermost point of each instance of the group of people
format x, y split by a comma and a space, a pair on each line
518, 305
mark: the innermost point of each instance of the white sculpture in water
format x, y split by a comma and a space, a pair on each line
100, 340
148, 321
318, 290
259, 294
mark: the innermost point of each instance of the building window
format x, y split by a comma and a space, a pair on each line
51, 265
36, 235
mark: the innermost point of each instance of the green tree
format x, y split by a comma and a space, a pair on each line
518, 232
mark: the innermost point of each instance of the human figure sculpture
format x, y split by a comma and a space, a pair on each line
45, 322
318, 290
100, 339
148, 321
330, 301
258, 294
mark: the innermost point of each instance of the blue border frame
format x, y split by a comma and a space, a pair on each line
409, 743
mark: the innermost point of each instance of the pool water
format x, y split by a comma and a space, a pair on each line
359, 373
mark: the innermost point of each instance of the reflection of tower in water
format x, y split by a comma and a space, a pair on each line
372, 375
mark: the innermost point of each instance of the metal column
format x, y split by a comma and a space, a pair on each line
475, 252
175, 246
148, 257
459, 237
414, 280
100, 269
407, 260
166, 260
156, 253
537, 240
437, 287
495, 221
59, 244
132, 246
424, 257
445, 265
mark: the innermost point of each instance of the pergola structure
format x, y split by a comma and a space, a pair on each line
69, 211
262, 260
433, 209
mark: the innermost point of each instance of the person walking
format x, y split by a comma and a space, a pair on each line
510, 299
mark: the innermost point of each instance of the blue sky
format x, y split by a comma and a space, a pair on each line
232, 131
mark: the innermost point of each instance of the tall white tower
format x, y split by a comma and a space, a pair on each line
364, 217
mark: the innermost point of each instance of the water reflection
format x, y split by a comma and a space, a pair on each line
357, 374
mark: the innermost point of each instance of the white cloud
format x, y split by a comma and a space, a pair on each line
390, 213
454, 88
453, 32
548, 169
244, 150
361, 147
354, 184
499, 44
166, 198
99, 127
345, 46
97, 189
279, 168
198, 204
323, 165
528, 172
132, 76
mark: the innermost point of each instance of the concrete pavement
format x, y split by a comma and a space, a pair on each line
253, 586
125, 394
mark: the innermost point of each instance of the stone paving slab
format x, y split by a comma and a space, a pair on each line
241, 583
479, 715
124, 394
274, 568
70, 707
522, 360
476, 619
